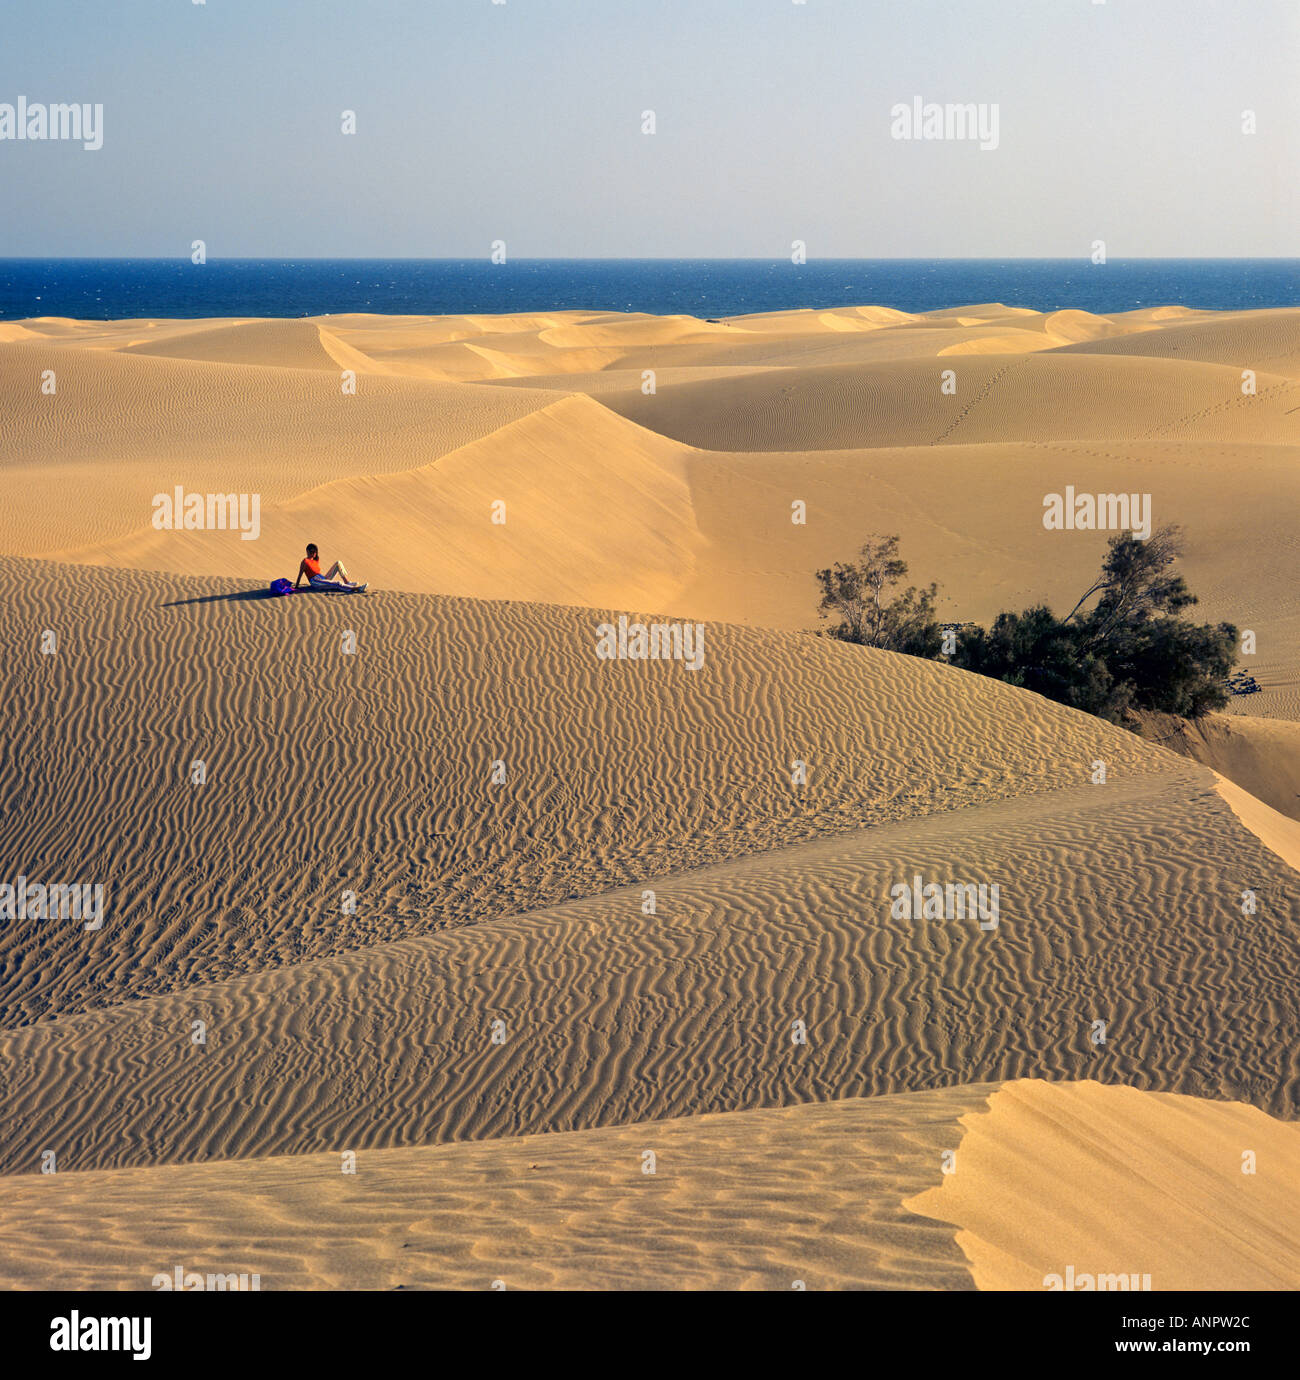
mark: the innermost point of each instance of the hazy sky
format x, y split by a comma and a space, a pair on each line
522, 122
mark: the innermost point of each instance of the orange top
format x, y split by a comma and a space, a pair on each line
310, 566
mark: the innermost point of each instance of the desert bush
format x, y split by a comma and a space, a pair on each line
1133, 649
857, 590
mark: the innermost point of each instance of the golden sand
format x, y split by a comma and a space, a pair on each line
610, 907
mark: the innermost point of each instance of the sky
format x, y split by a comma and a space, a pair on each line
522, 122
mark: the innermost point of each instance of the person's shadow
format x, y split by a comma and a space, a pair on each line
238, 597
241, 596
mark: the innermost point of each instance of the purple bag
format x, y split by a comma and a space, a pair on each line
281, 586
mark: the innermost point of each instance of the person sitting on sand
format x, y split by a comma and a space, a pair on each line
334, 578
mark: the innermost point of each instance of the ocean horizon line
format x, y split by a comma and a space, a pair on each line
652, 259
712, 289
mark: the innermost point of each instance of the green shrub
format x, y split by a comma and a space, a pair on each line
1133, 649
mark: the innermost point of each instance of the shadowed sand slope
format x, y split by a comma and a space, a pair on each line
747, 1200
1260, 755
1277, 832
1166, 1192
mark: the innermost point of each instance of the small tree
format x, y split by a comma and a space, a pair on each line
857, 592
1136, 584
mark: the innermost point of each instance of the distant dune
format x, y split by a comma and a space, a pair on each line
499, 915
680, 499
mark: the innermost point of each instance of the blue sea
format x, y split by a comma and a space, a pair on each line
108, 289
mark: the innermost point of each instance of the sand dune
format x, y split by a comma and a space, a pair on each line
844, 1195
1124, 911
566, 514
809, 1196
376, 765
398, 480
1262, 341
123, 427
985, 543
525, 902
434, 808
1168, 1196
1036, 397
281, 344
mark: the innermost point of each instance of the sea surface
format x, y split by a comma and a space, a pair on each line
109, 289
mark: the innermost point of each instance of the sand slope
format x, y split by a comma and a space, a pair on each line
747, 1200
1166, 1192
279, 344
845, 1195
372, 771
525, 902
1262, 341
1125, 912
537, 507
83, 465
1278, 832
1260, 755
1036, 397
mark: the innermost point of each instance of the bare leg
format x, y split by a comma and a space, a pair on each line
337, 572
